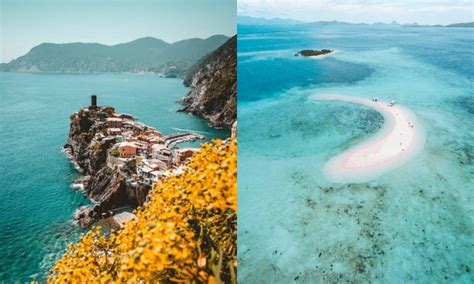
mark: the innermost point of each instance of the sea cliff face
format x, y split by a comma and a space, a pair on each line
214, 86
104, 185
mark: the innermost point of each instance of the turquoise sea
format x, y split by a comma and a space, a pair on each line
414, 224
36, 201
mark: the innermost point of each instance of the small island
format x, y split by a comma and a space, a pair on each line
313, 52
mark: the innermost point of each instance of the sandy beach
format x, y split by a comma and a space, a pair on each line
400, 138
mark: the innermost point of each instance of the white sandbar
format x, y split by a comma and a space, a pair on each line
400, 138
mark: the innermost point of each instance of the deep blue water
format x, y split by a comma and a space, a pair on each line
414, 224
36, 201
269, 51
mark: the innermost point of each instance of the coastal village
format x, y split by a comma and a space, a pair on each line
139, 154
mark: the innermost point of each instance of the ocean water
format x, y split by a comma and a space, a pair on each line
414, 224
36, 201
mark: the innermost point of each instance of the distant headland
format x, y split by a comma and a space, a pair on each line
146, 55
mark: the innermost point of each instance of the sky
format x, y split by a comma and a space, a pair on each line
362, 11
27, 23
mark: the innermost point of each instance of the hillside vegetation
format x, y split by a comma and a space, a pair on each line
141, 55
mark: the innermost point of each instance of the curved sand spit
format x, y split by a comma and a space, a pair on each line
400, 138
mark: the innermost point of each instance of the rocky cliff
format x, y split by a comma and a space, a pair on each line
105, 186
214, 86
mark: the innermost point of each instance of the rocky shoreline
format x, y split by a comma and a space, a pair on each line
120, 159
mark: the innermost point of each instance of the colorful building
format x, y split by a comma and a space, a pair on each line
126, 149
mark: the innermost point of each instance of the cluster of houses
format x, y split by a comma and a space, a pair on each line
140, 152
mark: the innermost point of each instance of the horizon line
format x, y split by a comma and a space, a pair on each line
349, 22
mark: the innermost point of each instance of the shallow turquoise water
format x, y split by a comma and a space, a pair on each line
412, 225
36, 201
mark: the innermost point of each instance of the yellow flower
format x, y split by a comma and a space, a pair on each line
186, 232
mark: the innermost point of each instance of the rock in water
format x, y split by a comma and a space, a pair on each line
313, 52
85, 216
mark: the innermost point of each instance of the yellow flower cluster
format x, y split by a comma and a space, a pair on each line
186, 232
